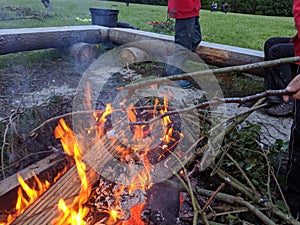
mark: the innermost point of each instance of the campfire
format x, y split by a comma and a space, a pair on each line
126, 153
119, 194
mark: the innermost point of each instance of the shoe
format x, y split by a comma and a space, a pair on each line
184, 84
172, 70
283, 109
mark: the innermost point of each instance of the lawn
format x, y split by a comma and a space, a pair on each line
249, 31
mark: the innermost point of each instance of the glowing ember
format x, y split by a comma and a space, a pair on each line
114, 214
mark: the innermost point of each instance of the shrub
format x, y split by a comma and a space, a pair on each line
259, 7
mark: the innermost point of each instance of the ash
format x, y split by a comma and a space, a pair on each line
112, 196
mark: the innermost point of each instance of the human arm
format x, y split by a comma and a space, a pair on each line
296, 39
296, 12
294, 85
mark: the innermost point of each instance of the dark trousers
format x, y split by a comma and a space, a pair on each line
187, 38
278, 77
188, 32
293, 173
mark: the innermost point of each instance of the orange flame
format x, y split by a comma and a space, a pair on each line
100, 119
114, 214
166, 119
67, 137
135, 215
27, 195
74, 213
32, 194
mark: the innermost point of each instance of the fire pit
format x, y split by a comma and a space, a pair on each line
123, 146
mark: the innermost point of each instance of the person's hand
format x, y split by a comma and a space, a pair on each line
293, 87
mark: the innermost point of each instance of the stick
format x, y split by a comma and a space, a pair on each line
217, 101
189, 190
212, 197
237, 200
11, 118
212, 71
32, 133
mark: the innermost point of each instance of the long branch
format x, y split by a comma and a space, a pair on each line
225, 198
237, 200
216, 101
230, 69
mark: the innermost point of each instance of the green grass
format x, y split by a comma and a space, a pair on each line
249, 31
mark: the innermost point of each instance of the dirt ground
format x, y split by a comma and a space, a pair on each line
23, 82
31, 94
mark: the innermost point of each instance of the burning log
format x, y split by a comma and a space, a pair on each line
44, 209
42, 168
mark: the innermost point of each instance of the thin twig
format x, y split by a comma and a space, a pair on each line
241, 68
2, 149
237, 184
59, 117
212, 197
239, 114
10, 122
217, 101
243, 173
279, 188
79, 113
189, 188
237, 211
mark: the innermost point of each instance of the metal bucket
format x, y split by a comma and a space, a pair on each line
104, 17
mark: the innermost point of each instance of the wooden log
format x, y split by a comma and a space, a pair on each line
133, 55
211, 53
44, 209
26, 39
82, 52
9, 186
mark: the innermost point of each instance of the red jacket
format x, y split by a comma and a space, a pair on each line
296, 39
180, 9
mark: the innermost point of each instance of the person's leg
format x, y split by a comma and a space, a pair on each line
279, 77
281, 74
197, 36
293, 181
274, 41
184, 38
185, 32
270, 53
